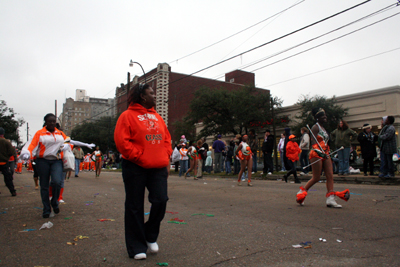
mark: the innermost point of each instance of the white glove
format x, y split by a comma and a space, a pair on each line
25, 156
79, 143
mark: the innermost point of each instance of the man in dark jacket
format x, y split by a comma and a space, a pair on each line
367, 141
6, 151
267, 148
388, 148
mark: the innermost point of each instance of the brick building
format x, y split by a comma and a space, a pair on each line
175, 91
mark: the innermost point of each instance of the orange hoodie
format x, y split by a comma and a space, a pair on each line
292, 151
142, 137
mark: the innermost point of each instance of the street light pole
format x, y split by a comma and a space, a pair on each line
129, 79
128, 85
274, 130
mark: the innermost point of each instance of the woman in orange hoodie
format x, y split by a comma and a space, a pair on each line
142, 138
292, 153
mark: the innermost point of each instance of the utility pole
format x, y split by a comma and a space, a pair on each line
274, 130
128, 85
27, 132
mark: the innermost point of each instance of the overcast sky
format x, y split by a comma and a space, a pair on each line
49, 49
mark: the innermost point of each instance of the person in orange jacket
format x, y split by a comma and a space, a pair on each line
86, 162
46, 144
292, 154
143, 139
19, 166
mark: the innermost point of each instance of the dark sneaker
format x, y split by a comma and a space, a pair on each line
57, 211
14, 194
46, 215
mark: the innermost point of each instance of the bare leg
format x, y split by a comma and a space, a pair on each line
316, 173
249, 166
195, 169
100, 163
191, 167
242, 168
327, 165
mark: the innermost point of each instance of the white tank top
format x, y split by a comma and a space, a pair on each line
244, 148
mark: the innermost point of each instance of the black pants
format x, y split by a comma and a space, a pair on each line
292, 168
136, 180
35, 172
8, 178
268, 164
368, 162
177, 166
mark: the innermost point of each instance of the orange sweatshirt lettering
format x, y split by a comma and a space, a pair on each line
142, 137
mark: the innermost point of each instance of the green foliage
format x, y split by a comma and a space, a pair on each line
333, 111
228, 112
9, 122
184, 128
100, 132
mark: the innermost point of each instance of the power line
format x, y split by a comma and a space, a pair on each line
315, 38
226, 38
324, 43
252, 49
344, 64
276, 39
322, 35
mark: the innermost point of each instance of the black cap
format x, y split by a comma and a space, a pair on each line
267, 131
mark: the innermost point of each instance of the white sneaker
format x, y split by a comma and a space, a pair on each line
331, 202
61, 201
252, 172
269, 173
140, 256
302, 173
153, 247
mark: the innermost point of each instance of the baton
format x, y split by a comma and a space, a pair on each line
314, 138
341, 148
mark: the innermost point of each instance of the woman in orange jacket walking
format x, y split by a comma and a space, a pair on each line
142, 138
292, 154
46, 143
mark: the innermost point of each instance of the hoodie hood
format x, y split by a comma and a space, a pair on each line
139, 108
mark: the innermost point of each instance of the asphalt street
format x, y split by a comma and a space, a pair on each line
226, 225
